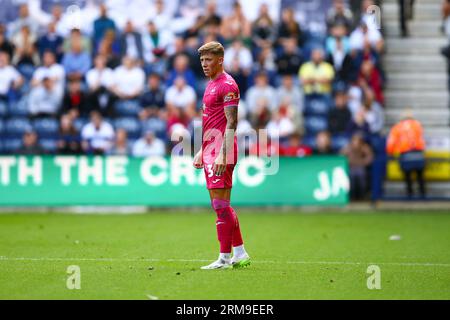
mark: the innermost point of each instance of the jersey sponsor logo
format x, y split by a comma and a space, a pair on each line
230, 96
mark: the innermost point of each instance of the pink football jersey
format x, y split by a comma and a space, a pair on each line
220, 93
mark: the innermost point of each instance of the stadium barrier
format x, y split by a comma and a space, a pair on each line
166, 182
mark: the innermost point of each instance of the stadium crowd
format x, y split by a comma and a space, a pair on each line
124, 87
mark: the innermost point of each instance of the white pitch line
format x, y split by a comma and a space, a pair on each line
405, 264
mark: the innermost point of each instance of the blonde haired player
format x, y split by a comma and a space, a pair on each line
218, 155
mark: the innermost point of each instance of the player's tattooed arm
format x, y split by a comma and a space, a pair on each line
231, 114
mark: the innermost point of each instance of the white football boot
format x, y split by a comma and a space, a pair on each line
218, 264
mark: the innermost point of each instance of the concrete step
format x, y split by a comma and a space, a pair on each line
415, 63
417, 81
428, 117
416, 99
422, 10
436, 189
412, 46
417, 28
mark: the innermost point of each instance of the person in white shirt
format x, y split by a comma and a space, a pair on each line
100, 75
129, 80
10, 78
363, 32
237, 52
261, 90
156, 43
181, 96
98, 135
149, 146
45, 100
52, 70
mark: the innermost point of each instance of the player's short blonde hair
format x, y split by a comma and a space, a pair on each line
212, 47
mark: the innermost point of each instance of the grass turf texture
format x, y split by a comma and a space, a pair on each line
290, 254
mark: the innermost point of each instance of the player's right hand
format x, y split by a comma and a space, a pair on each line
198, 161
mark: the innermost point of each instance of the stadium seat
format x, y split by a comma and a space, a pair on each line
130, 125
50, 145
79, 123
317, 105
127, 108
46, 128
19, 108
339, 141
156, 125
11, 145
16, 127
315, 124
310, 141
3, 109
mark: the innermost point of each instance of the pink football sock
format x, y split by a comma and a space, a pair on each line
225, 224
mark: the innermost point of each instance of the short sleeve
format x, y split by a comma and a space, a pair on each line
230, 94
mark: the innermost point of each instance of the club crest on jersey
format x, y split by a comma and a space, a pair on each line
230, 96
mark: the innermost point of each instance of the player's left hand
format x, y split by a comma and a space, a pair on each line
220, 165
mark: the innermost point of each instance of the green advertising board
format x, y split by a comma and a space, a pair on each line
157, 181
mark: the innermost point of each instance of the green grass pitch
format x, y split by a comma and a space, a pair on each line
158, 255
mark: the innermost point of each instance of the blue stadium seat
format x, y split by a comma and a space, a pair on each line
79, 123
46, 127
310, 141
2, 127
19, 108
156, 125
315, 124
126, 108
50, 145
317, 105
130, 125
11, 145
339, 141
3, 109
16, 127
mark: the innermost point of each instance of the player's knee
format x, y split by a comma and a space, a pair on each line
218, 204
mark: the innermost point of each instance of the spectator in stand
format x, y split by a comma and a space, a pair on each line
406, 13
264, 147
152, 101
338, 53
181, 69
75, 101
30, 144
360, 157
121, 147
364, 33
317, 75
290, 59
261, 91
295, 147
23, 20
263, 29
181, 101
77, 62
265, 61
370, 79
359, 125
149, 146
99, 81
157, 45
373, 112
339, 14
340, 116
10, 78
51, 41
44, 100
68, 137
102, 24
240, 55
97, 136
280, 127
236, 26
161, 18
129, 80
50, 69
289, 30
355, 97
323, 144
131, 43
25, 50
76, 36
5, 44
105, 49
406, 141
289, 93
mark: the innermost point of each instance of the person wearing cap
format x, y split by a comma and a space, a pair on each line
149, 146
406, 141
